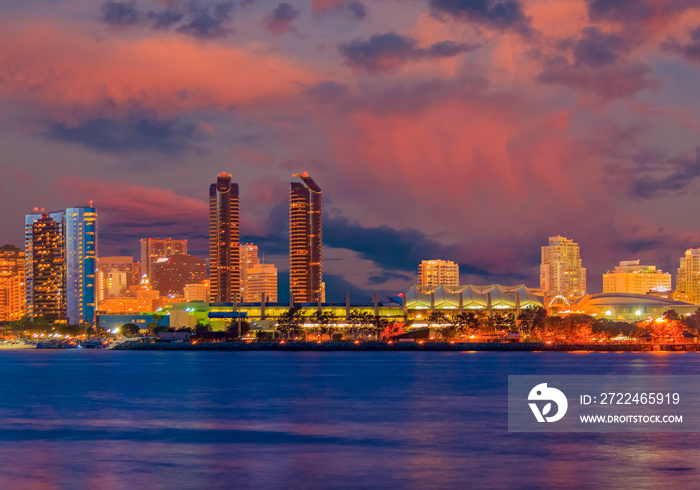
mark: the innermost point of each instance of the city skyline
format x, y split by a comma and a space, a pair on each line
446, 131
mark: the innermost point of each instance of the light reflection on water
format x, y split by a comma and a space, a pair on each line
104, 419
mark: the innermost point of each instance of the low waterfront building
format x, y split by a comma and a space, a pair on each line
629, 307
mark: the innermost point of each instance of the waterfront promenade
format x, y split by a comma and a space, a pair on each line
404, 346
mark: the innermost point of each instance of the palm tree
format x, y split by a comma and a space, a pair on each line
356, 321
379, 325
290, 321
437, 318
330, 324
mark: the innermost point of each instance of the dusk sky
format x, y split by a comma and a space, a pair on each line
468, 130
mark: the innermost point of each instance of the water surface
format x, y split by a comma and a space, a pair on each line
130, 419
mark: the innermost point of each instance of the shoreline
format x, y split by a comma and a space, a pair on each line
404, 346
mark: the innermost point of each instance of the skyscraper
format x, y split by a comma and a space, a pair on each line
224, 238
437, 272
81, 262
305, 245
153, 249
45, 265
12, 298
61, 251
561, 273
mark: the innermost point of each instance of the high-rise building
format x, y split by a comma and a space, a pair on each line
437, 272
153, 249
45, 265
170, 274
262, 279
61, 251
630, 277
12, 299
115, 275
81, 261
561, 273
224, 241
688, 274
256, 278
249, 258
305, 243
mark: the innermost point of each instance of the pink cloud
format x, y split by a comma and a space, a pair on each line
67, 70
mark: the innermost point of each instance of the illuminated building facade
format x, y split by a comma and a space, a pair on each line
631, 277
249, 258
256, 278
561, 271
45, 266
688, 274
12, 277
61, 251
170, 274
224, 241
262, 279
153, 249
81, 261
115, 276
197, 292
305, 241
437, 272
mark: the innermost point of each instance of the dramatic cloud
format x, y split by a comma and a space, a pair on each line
207, 20
353, 9
129, 212
280, 19
691, 50
73, 76
120, 13
137, 134
636, 11
196, 18
387, 52
599, 65
664, 178
497, 14
596, 49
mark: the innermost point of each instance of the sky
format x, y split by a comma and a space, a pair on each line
467, 130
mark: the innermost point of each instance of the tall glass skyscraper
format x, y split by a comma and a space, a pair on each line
305, 246
81, 263
224, 241
61, 253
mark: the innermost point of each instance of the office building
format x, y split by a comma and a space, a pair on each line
688, 275
256, 278
305, 241
12, 299
60, 260
561, 271
224, 241
115, 276
631, 277
197, 292
170, 274
437, 272
81, 261
153, 249
262, 279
